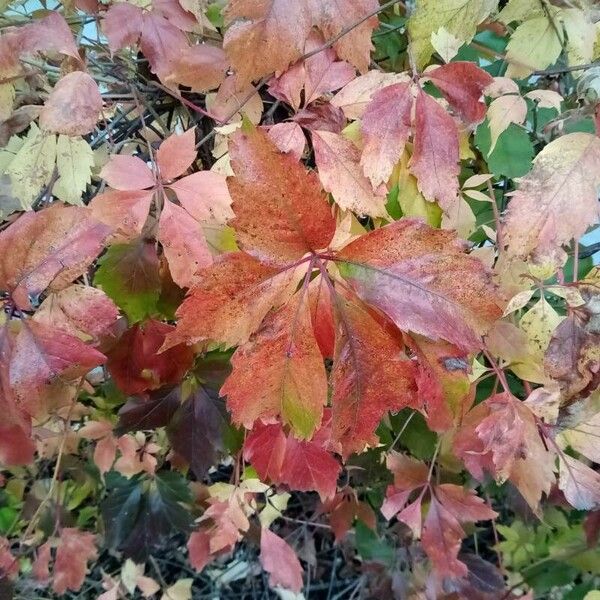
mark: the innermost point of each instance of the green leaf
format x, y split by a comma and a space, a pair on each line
371, 547
513, 153
128, 273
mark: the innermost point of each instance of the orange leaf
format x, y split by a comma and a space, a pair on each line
273, 186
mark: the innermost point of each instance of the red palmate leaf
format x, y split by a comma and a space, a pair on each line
80, 311
16, 445
321, 312
450, 506
127, 173
183, 244
203, 197
48, 249
124, 212
338, 161
579, 483
176, 154
343, 509
136, 365
230, 301
43, 355
501, 436
73, 106
274, 187
462, 84
422, 279
314, 76
280, 561
302, 465
371, 375
74, 550
436, 156
280, 372
289, 138
386, 126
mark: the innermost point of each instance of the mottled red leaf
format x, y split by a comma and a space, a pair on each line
230, 301
450, 506
80, 311
341, 174
500, 436
579, 483
279, 372
43, 355
48, 249
422, 279
267, 37
371, 375
435, 159
386, 126
273, 186
315, 76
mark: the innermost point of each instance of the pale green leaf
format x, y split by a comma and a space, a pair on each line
74, 161
33, 166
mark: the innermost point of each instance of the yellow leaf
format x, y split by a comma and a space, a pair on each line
581, 35
539, 323
445, 44
460, 218
7, 96
458, 17
534, 45
411, 201
502, 112
182, 590
556, 201
32, 168
74, 161
276, 504
520, 10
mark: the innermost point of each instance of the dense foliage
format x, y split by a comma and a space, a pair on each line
299, 299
